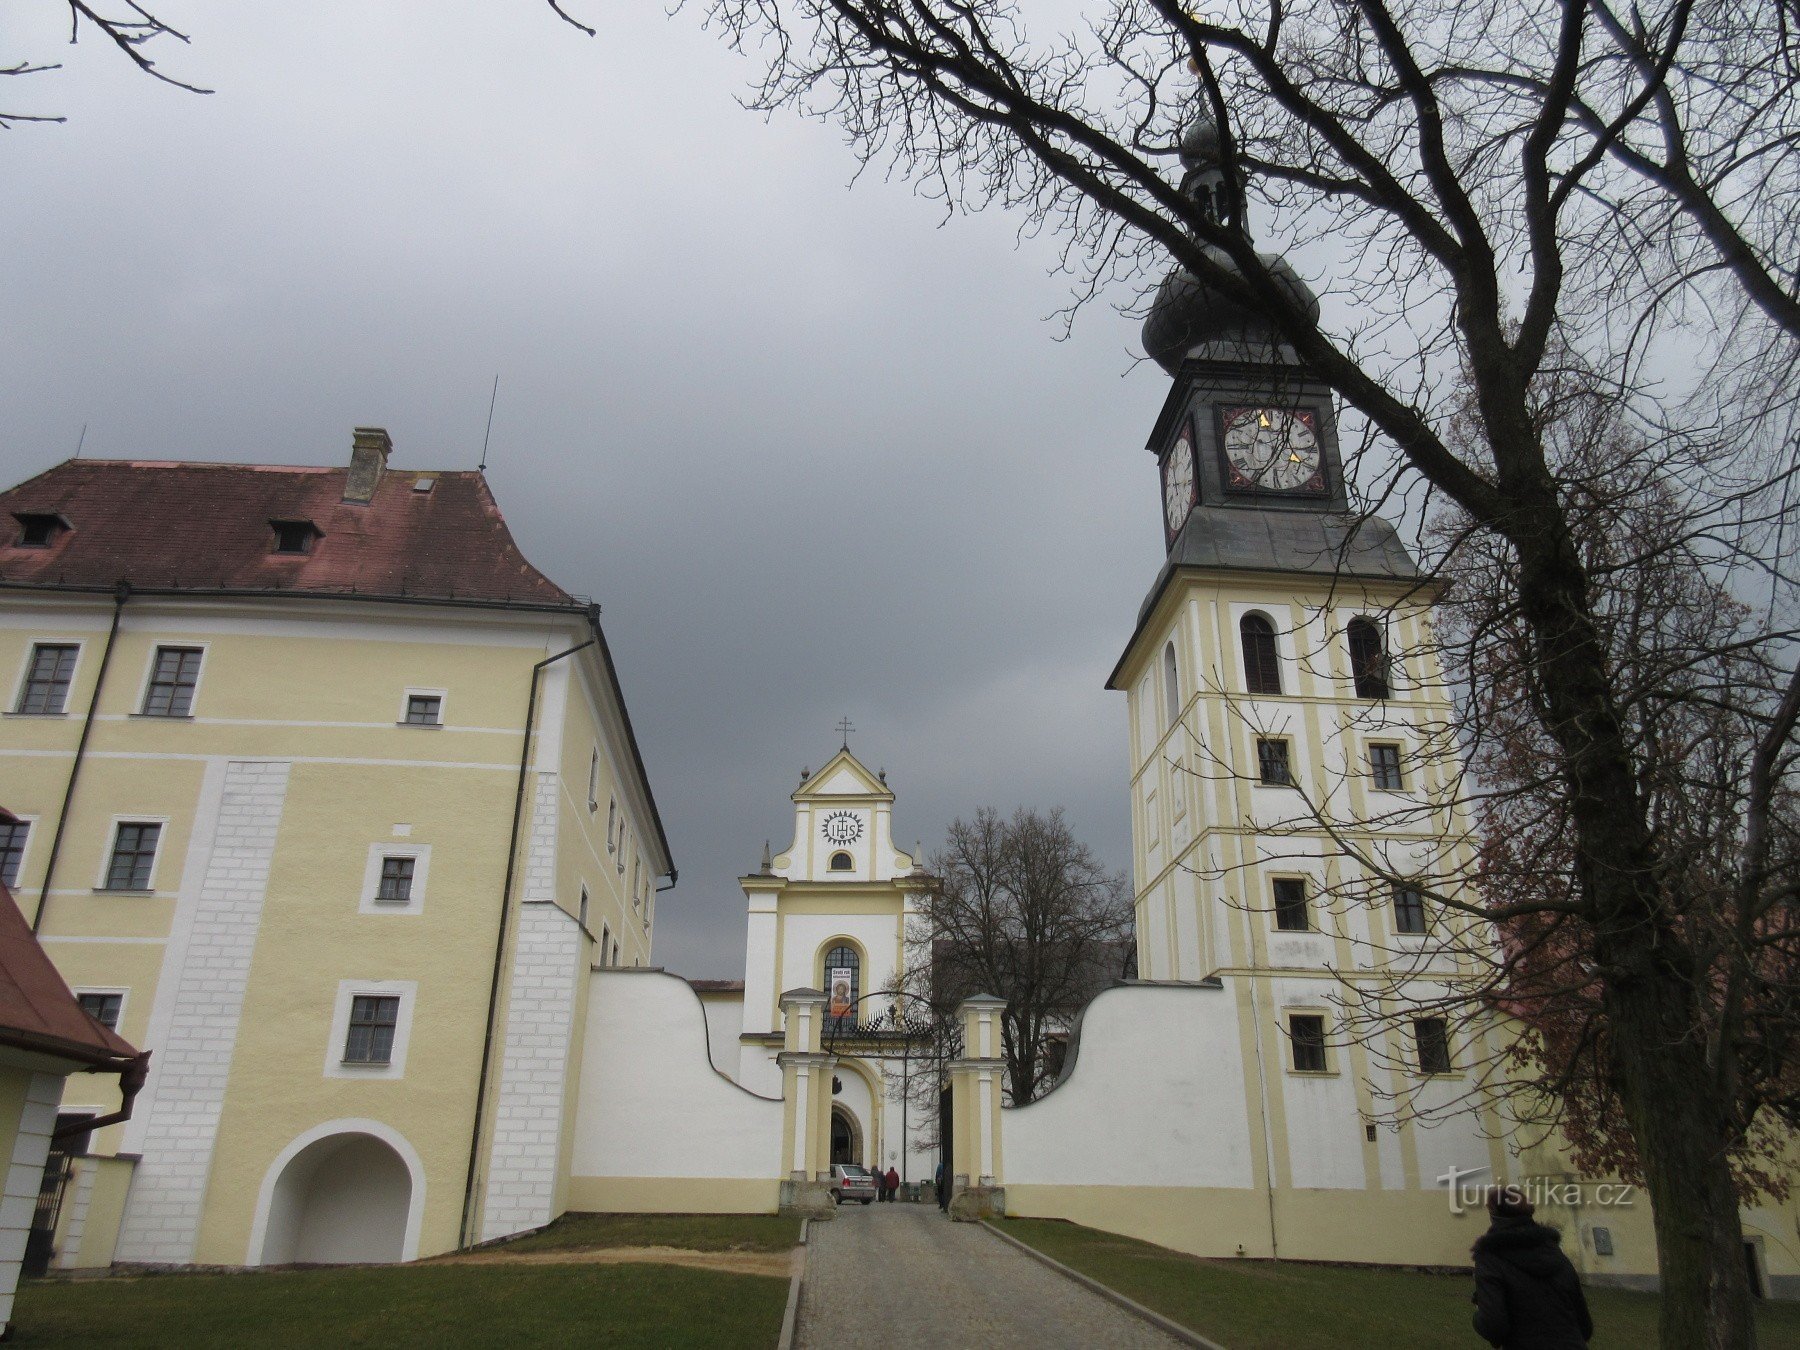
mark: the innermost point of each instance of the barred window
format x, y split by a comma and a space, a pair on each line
1272, 763
843, 985
1432, 1037
1384, 767
1409, 909
133, 855
172, 682
396, 881
12, 850
372, 1021
1262, 667
47, 679
1306, 1033
1290, 905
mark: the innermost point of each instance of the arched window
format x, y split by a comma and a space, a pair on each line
843, 986
1262, 668
841, 862
1171, 684
1368, 660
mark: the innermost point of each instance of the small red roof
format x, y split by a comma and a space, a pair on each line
193, 526
717, 986
37, 1011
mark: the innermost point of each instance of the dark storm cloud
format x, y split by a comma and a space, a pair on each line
813, 453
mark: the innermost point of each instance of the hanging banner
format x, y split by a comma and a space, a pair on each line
839, 979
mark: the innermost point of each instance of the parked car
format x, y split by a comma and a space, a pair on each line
851, 1182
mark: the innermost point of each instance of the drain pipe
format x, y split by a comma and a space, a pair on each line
120, 596
131, 1082
512, 858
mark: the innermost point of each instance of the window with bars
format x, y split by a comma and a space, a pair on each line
173, 680
103, 1008
1272, 764
1384, 767
396, 881
370, 1039
47, 678
1291, 913
1262, 667
133, 856
843, 986
1306, 1034
1368, 660
12, 850
1409, 909
423, 710
1431, 1037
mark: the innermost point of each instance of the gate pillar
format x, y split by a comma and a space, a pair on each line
977, 1189
806, 1072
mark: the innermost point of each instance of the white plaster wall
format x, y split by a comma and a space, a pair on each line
24, 1174
761, 1012
1156, 1098
758, 1070
658, 1108
343, 1199
724, 1024
805, 935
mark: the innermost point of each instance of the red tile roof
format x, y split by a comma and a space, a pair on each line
717, 986
37, 1011
195, 526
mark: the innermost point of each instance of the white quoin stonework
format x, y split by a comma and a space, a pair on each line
216, 933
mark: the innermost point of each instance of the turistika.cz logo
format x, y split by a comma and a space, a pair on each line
1468, 1191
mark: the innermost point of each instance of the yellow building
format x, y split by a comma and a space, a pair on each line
329, 799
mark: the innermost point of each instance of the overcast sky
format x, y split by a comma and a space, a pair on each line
815, 451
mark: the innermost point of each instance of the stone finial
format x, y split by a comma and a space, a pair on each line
768, 862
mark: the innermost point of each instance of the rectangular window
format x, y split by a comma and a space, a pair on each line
103, 1008
133, 854
172, 682
1384, 767
1306, 1032
1409, 909
422, 710
1272, 763
47, 681
584, 906
605, 942
1290, 905
12, 850
1433, 1040
594, 780
371, 1036
396, 881
612, 823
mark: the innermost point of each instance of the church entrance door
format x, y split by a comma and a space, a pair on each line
846, 1138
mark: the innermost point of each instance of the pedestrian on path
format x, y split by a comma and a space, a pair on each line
943, 1189
893, 1183
1527, 1295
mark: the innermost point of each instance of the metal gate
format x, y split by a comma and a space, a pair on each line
40, 1243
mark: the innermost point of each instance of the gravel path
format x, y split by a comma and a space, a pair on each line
904, 1275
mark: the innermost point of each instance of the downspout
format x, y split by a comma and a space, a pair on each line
512, 858
120, 596
131, 1082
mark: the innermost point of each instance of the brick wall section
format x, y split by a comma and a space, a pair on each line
187, 1090
540, 1014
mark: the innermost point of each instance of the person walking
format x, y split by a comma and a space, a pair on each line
1527, 1295
893, 1183
943, 1190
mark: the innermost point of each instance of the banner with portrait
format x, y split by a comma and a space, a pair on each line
839, 981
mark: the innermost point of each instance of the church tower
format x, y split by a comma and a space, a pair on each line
1283, 699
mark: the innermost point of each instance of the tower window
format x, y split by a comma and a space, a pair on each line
1306, 1033
294, 536
1384, 767
842, 862
1432, 1037
1171, 683
38, 529
373, 1018
133, 856
843, 986
1262, 667
1290, 905
1368, 660
396, 881
1272, 764
1409, 910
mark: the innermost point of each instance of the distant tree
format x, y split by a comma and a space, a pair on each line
1024, 911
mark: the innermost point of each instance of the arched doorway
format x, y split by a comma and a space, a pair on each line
846, 1137
346, 1197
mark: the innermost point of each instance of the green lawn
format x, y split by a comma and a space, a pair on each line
1261, 1305
398, 1306
695, 1232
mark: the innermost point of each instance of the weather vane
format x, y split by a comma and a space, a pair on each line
845, 726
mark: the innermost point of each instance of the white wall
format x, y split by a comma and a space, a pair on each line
1156, 1098
654, 1106
724, 1024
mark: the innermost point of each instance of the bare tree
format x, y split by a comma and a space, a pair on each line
1488, 183
128, 25
1024, 911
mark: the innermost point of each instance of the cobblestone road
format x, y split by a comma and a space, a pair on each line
904, 1275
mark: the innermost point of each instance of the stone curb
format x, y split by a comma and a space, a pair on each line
1107, 1292
790, 1318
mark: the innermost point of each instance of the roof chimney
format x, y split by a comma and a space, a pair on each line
369, 450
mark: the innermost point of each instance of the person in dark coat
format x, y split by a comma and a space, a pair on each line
943, 1188
1527, 1295
893, 1183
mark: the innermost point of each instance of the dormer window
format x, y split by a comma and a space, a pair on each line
38, 529
295, 536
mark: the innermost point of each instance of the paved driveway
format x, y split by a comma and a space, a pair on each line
904, 1275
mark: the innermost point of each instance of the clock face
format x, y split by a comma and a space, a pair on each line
1178, 480
1272, 450
843, 827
